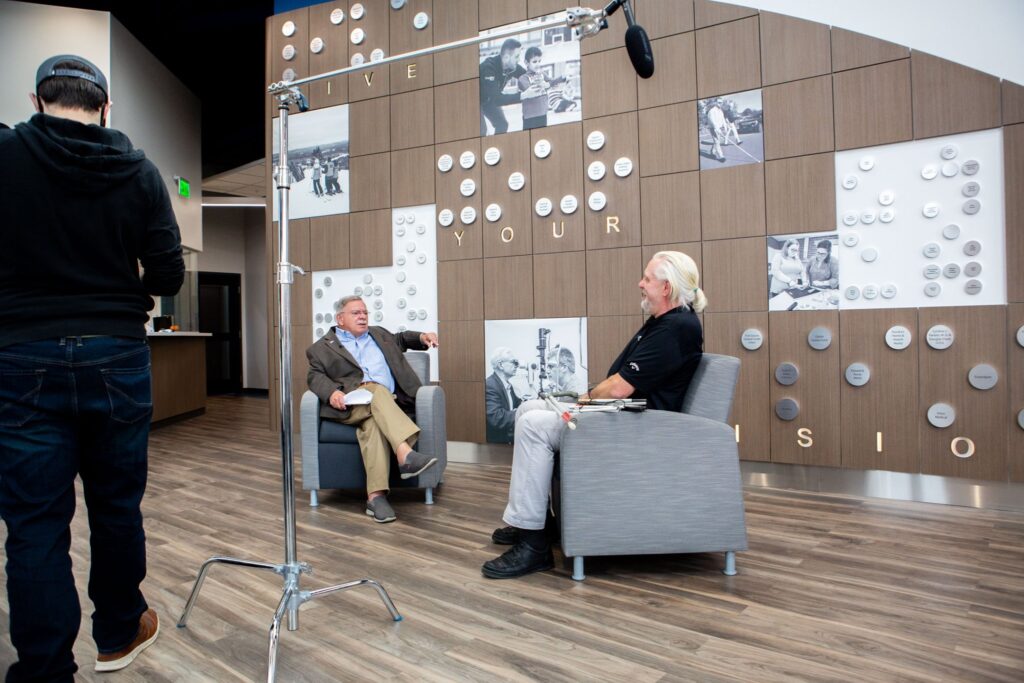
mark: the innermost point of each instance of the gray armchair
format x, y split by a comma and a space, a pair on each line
686, 464
330, 452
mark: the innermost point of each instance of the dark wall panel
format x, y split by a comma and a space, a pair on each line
873, 105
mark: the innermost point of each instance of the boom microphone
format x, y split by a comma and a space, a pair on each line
638, 45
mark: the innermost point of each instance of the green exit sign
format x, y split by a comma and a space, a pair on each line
184, 187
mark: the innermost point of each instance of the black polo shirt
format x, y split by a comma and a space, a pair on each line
660, 359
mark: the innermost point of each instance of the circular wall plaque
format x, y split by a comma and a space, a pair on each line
886, 197
401, 303
970, 167
887, 215
787, 409
288, 74
929, 172
467, 187
411, 290
849, 181
787, 374
1020, 336
319, 317
595, 141
820, 338
949, 151
316, 46
319, 293
971, 188
850, 239
931, 250
446, 217
1020, 419
420, 21
542, 149
932, 271
898, 337
444, 163
752, 339
357, 11
467, 160
889, 291
941, 415
568, 204
288, 29
409, 247
516, 181
288, 53
867, 216
467, 215
399, 218
933, 289
337, 16
397, 4
493, 212
857, 374
971, 207
973, 287
869, 255
596, 170
377, 55
930, 210
850, 218
358, 35
543, 207
623, 166
951, 231
866, 163
597, 201
940, 337
983, 376
972, 248
368, 279
950, 169
319, 331
972, 269
400, 231
870, 291
357, 59
492, 156
951, 270
421, 258
852, 293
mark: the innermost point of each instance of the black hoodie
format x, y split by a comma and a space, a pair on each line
79, 209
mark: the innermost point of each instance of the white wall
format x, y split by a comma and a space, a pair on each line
163, 118
234, 242
30, 34
981, 34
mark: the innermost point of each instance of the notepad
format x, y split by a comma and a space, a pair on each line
359, 397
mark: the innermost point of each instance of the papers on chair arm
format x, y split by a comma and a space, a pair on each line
359, 397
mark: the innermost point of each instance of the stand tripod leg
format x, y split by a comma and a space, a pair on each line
202, 577
275, 635
355, 584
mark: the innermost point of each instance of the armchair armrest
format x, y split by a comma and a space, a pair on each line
681, 492
433, 440
309, 427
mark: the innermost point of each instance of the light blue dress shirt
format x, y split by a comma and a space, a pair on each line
369, 356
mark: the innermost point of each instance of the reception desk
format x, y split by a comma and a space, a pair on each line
179, 375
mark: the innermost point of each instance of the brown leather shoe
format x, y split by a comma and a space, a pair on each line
149, 627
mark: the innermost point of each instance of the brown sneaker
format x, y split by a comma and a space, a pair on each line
149, 627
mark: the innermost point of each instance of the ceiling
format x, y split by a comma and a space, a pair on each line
249, 180
216, 48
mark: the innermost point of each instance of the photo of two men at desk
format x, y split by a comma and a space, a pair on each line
803, 272
526, 358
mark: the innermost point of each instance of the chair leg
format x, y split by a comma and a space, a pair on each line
313, 500
730, 563
577, 569
430, 496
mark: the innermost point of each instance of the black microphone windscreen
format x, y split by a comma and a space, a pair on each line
638, 45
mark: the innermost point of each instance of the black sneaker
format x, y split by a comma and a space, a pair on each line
506, 535
415, 463
519, 560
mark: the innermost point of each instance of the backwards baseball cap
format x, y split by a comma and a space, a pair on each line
48, 69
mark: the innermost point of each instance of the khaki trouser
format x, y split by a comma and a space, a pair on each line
381, 427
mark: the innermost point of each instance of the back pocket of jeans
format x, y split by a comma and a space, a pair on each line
19, 394
130, 394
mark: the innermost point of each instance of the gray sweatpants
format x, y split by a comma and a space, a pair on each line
538, 433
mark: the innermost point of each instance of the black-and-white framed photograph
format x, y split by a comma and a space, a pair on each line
317, 162
803, 272
730, 130
530, 80
525, 358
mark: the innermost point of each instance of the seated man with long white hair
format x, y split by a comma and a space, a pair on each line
657, 365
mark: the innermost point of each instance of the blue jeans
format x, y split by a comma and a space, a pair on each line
72, 406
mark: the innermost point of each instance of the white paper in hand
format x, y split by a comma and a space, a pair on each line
359, 397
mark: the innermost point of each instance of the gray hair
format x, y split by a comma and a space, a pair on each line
502, 353
345, 301
680, 271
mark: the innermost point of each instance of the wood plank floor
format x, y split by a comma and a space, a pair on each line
834, 588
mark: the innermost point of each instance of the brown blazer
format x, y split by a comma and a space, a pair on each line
331, 367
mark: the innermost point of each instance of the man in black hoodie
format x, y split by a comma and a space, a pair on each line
80, 208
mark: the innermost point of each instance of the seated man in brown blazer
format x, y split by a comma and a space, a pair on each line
354, 355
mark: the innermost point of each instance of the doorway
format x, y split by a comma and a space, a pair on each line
220, 314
